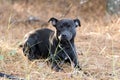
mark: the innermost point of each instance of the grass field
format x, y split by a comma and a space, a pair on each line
97, 43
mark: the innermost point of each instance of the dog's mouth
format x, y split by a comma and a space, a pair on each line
64, 41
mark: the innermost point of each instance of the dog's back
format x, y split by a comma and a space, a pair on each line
37, 42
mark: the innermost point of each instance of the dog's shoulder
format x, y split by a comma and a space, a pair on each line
52, 38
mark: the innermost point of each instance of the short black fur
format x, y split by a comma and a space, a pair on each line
58, 46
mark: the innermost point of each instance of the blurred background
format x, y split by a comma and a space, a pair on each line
86, 10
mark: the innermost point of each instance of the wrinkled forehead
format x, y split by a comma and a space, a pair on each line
66, 22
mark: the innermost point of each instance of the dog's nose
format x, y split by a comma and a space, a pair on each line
64, 36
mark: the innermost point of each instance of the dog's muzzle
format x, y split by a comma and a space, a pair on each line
65, 36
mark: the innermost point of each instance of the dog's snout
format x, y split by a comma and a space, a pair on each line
64, 36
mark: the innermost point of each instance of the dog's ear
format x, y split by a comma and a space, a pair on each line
53, 20
77, 22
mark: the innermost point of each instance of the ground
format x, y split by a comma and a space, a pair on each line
97, 44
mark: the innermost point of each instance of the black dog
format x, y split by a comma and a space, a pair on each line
58, 46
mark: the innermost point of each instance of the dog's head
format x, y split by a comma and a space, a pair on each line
65, 28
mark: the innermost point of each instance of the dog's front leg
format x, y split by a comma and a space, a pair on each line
55, 63
76, 63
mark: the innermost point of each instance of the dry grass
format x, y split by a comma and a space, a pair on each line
98, 41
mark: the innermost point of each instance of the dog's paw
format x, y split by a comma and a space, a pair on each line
57, 69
